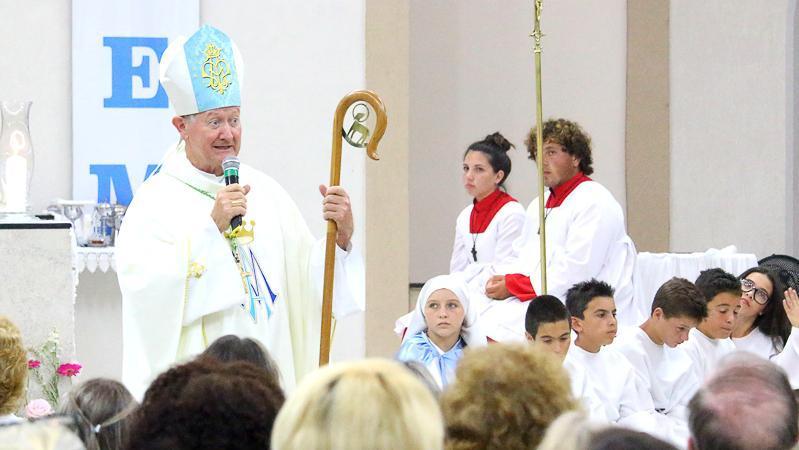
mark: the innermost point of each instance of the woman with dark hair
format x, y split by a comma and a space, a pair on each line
230, 348
207, 404
768, 319
762, 327
486, 228
102, 409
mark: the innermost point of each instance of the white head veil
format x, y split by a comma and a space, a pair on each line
470, 331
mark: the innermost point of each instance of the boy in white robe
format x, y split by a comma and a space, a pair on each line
710, 340
593, 319
548, 328
667, 372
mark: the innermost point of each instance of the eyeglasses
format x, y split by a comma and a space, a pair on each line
758, 294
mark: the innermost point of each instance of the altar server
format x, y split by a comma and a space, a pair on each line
548, 328
710, 340
441, 326
593, 318
186, 277
485, 230
666, 371
585, 231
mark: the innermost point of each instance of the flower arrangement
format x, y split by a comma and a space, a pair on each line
47, 370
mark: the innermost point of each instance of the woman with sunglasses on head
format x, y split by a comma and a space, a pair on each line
767, 322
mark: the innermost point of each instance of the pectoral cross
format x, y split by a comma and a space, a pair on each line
474, 253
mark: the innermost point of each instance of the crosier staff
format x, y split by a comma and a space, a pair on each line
357, 136
539, 140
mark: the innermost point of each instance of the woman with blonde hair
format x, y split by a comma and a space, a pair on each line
13, 371
372, 403
505, 396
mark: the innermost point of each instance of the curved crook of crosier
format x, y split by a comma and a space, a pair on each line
381, 122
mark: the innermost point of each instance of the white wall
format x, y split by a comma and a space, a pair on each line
731, 121
472, 73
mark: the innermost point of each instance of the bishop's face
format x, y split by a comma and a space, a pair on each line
210, 137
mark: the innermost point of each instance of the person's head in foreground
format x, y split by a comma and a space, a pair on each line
616, 438
206, 102
102, 410
593, 314
372, 403
505, 396
575, 431
547, 325
13, 367
441, 325
486, 166
567, 151
678, 306
747, 404
53, 432
761, 307
232, 348
723, 293
206, 404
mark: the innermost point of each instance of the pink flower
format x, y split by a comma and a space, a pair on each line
69, 369
34, 363
38, 408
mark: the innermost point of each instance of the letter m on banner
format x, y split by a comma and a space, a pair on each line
135, 58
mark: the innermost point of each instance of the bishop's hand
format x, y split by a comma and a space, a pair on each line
231, 201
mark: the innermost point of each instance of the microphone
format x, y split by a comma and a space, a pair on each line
230, 167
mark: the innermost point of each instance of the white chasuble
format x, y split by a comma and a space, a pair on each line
182, 288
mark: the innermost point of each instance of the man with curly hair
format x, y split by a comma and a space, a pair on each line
586, 235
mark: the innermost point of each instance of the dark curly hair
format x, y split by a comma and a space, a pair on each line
570, 135
495, 147
207, 404
580, 295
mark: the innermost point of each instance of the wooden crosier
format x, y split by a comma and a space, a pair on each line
339, 133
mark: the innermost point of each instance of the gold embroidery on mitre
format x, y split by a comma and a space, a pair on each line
216, 69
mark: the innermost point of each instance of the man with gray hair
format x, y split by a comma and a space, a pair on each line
747, 404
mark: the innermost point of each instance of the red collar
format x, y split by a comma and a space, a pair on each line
484, 211
559, 193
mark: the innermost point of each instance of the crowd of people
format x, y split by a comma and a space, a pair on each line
221, 322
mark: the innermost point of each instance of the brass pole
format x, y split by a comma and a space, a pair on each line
539, 141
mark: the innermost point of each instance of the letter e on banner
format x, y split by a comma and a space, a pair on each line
134, 72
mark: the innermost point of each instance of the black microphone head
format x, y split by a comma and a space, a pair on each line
230, 162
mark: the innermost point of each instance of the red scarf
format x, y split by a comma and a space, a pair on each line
484, 211
559, 193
